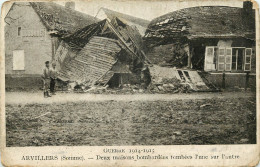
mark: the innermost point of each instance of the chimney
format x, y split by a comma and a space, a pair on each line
248, 14
248, 6
70, 5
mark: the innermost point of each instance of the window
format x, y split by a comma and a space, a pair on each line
237, 58
19, 31
227, 58
18, 60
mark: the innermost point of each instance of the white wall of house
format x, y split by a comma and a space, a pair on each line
26, 41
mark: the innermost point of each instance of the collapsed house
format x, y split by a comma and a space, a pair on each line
214, 39
104, 53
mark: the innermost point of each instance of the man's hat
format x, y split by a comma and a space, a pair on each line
47, 62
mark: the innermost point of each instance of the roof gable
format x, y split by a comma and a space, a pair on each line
61, 20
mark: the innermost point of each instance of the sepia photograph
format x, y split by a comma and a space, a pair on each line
114, 73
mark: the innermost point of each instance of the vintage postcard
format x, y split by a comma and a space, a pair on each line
130, 83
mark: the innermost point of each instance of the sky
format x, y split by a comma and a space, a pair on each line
147, 10
144, 9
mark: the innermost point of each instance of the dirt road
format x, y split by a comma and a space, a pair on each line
37, 97
96, 120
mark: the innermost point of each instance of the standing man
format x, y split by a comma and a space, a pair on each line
46, 79
53, 74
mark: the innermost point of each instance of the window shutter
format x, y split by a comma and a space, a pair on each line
209, 59
228, 59
18, 60
221, 59
248, 55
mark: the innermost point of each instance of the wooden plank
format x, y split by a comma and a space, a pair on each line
195, 77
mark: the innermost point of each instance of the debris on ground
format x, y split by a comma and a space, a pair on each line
172, 80
172, 85
178, 133
205, 105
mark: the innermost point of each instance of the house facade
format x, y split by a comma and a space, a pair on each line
215, 39
27, 42
32, 34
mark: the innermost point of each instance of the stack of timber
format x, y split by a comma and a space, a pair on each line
92, 62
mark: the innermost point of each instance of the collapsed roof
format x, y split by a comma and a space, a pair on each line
92, 62
202, 22
89, 54
61, 20
129, 37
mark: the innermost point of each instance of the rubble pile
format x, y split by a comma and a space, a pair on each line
172, 85
123, 89
163, 80
173, 80
167, 86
